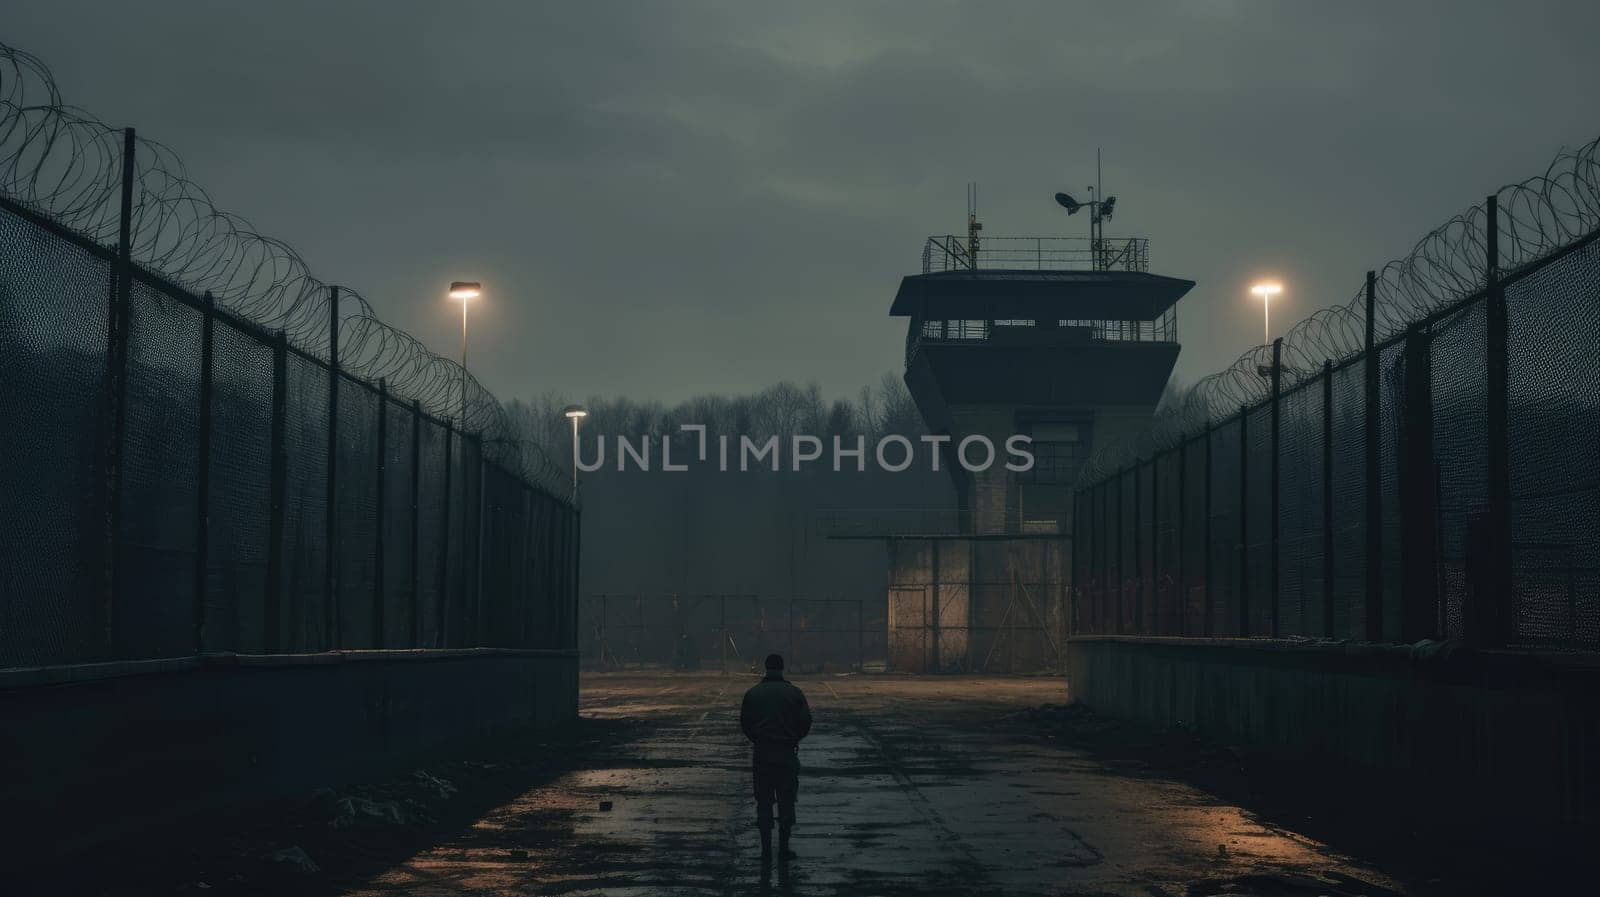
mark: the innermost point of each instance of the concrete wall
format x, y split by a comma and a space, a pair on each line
990, 490
95, 750
1491, 736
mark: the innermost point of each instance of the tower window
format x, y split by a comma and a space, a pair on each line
1058, 451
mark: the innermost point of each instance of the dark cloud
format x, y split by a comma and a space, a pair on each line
666, 199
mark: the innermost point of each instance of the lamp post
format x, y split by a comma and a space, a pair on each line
1266, 291
464, 291
574, 413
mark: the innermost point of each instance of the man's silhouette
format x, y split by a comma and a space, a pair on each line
775, 717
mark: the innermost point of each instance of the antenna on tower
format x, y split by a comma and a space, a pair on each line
973, 226
1100, 209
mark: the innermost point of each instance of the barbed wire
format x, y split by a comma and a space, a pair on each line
62, 162
1536, 217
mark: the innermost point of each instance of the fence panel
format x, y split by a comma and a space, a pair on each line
1129, 569
431, 533
1460, 446
54, 299
1163, 605
1140, 618
1391, 408
160, 478
398, 517
1194, 543
1226, 575
502, 514
453, 611
239, 511
1554, 433
305, 601
1258, 522
1300, 506
356, 510
1349, 502
466, 520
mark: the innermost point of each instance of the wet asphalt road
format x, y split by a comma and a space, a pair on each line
908, 786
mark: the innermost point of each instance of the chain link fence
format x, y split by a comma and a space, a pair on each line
210, 450
179, 480
1443, 483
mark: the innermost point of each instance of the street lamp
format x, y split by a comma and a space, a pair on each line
1266, 291
464, 291
574, 413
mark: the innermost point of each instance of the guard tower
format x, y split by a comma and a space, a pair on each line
1068, 341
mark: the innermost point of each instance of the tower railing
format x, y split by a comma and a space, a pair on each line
949, 252
1163, 329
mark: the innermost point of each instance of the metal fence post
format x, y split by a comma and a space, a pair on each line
1152, 625
330, 574
551, 609
278, 465
1138, 548
1205, 605
202, 534
1274, 584
439, 636
550, 519
1116, 605
416, 518
1374, 527
1498, 619
378, 509
1182, 505
1244, 521
117, 333
1328, 568
577, 570
477, 548
1104, 545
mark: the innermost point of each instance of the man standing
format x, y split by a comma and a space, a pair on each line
775, 717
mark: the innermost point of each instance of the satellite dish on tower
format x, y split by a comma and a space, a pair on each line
1066, 202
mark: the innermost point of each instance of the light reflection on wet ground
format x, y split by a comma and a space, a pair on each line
908, 787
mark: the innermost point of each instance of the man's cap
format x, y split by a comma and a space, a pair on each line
774, 661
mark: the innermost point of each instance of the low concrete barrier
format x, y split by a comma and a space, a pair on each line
1483, 734
92, 751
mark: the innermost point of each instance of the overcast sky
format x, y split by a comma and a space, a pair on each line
668, 199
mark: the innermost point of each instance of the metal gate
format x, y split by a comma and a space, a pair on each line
908, 629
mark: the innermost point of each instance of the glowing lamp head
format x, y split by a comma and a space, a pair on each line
1266, 290
463, 290
574, 412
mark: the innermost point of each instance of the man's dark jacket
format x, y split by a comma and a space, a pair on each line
774, 716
